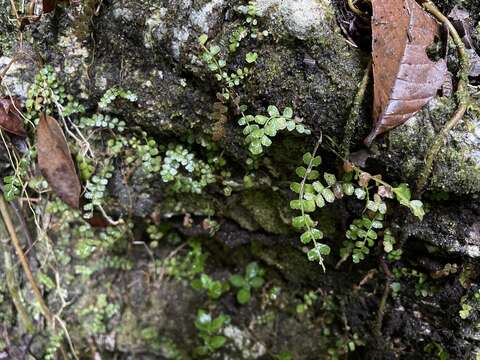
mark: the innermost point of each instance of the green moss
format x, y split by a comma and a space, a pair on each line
320, 92
457, 167
128, 333
6, 42
263, 206
290, 261
328, 219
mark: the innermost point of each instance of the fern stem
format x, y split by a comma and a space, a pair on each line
381, 310
301, 194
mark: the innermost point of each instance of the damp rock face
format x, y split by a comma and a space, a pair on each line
456, 168
305, 62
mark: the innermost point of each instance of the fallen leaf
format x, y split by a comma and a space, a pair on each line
385, 191
10, 118
98, 221
55, 161
405, 79
364, 178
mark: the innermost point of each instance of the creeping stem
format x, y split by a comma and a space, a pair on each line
351, 124
461, 95
354, 8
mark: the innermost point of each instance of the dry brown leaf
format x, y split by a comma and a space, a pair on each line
55, 161
405, 79
10, 119
48, 6
364, 178
386, 191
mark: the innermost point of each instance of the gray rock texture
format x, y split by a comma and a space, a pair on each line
306, 62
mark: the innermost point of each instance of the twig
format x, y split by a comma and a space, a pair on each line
14, 292
83, 142
23, 260
14, 8
7, 67
351, 124
461, 94
381, 310
383, 302
108, 218
23, 223
26, 267
97, 11
369, 276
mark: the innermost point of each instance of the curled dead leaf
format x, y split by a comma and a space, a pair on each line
364, 178
348, 166
55, 161
386, 192
10, 118
405, 79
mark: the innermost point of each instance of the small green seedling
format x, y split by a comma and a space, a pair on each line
253, 279
209, 328
214, 288
308, 301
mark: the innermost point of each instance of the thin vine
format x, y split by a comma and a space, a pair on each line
461, 95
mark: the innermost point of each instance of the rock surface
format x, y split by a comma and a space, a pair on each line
304, 62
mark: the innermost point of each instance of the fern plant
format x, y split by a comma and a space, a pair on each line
315, 193
259, 129
308, 200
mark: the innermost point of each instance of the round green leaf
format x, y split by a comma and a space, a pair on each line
202, 39
257, 282
243, 296
288, 113
255, 147
266, 141
295, 187
260, 119
251, 57
273, 111
328, 195
217, 341
237, 281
